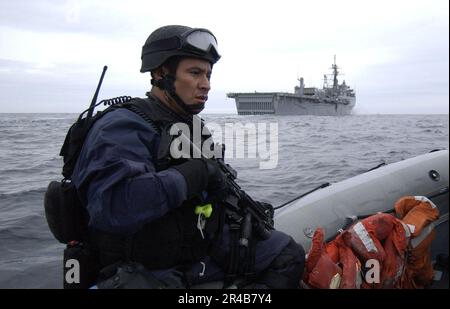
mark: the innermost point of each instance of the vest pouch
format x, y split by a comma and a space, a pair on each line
80, 268
65, 215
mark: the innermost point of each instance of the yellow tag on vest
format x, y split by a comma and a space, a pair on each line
205, 210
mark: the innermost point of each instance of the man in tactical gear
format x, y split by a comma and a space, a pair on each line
165, 213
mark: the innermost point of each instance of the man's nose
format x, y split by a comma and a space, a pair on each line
205, 83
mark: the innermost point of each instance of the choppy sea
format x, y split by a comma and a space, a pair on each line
311, 150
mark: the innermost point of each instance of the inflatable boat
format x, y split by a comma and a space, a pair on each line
336, 206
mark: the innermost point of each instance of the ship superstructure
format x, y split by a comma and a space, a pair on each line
334, 99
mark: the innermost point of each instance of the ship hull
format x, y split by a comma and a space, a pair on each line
290, 104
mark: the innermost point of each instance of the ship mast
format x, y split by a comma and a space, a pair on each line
335, 74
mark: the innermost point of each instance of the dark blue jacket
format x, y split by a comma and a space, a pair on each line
116, 178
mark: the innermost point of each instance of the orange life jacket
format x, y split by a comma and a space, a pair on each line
381, 237
343, 255
338, 263
418, 212
331, 265
401, 248
321, 272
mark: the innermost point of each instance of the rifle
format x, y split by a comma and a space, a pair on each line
238, 200
263, 215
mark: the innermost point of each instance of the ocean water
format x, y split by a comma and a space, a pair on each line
311, 150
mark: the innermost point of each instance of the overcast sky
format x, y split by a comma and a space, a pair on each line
395, 54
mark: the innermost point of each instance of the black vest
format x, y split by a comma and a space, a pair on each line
173, 239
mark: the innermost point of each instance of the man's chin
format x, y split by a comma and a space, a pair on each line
196, 108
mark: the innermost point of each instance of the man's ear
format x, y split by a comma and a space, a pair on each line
160, 72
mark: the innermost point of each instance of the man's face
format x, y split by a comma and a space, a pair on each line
192, 82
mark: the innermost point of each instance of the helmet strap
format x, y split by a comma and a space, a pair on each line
167, 83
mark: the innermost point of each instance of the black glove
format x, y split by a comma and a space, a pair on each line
268, 208
217, 183
195, 172
203, 174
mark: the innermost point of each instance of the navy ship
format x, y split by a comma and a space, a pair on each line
332, 100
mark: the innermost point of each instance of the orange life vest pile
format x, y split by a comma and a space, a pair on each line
380, 251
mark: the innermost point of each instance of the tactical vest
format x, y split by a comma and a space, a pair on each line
171, 240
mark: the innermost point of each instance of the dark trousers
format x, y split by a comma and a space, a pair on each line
279, 264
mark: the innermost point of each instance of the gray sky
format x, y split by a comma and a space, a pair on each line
395, 54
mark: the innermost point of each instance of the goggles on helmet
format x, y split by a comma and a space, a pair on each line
198, 42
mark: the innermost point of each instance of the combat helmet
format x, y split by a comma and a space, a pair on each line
176, 40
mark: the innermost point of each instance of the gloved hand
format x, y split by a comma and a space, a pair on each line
269, 209
217, 187
201, 175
